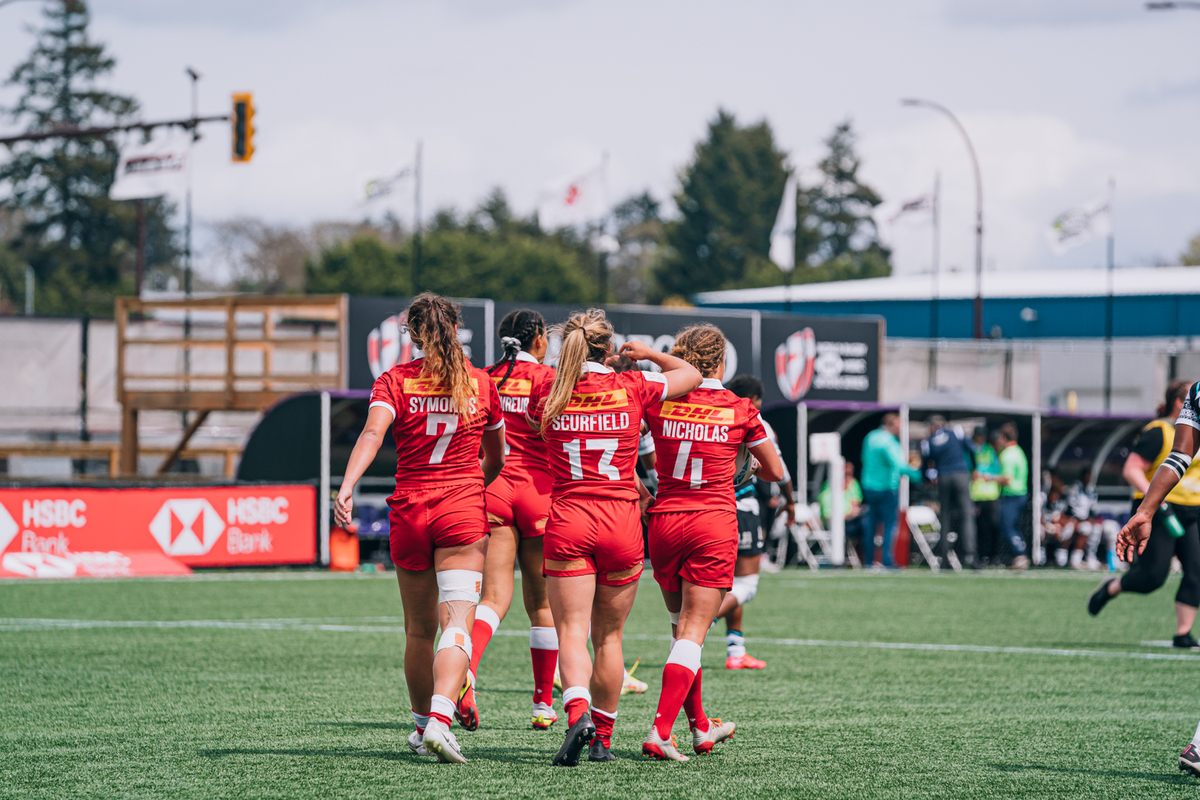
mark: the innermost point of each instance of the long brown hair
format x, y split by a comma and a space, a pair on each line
702, 346
586, 336
431, 321
1176, 390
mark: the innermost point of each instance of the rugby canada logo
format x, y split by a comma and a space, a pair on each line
390, 344
186, 527
795, 361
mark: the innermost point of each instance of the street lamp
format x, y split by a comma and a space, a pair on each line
978, 206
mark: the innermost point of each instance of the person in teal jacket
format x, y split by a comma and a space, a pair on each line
883, 462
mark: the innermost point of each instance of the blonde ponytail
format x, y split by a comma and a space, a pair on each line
585, 337
431, 321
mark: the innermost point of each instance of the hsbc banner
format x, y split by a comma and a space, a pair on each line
85, 532
820, 358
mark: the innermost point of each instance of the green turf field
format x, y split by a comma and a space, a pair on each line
290, 686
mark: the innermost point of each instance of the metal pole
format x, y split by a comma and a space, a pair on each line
416, 243
978, 207
187, 247
904, 448
801, 487
933, 304
325, 488
1108, 302
30, 279
84, 325
139, 275
1035, 487
837, 512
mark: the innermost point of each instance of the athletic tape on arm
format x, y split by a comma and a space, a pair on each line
1177, 463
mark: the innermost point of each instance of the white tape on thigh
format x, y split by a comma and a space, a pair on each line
744, 588
455, 637
459, 585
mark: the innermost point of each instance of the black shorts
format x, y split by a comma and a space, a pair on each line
751, 541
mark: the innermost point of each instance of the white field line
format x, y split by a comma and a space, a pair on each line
389, 625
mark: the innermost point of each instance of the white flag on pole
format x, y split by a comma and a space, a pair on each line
1079, 225
382, 187
783, 235
573, 201
152, 169
914, 206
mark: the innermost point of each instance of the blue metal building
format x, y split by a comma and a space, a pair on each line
1147, 302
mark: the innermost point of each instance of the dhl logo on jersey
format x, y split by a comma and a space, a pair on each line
430, 387
687, 412
581, 403
513, 387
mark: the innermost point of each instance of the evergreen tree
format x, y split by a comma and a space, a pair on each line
74, 237
836, 238
1191, 256
727, 202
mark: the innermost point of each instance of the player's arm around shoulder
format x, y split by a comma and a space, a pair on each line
678, 377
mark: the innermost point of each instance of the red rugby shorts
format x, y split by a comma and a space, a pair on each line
521, 500
430, 517
593, 536
697, 546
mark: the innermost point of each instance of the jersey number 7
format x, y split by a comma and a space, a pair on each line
432, 422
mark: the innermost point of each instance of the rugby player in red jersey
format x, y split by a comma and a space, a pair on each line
441, 410
590, 417
518, 504
694, 527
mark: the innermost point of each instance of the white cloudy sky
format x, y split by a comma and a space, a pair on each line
1058, 95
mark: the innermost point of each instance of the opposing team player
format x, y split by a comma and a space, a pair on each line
753, 520
591, 417
694, 527
1137, 533
441, 410
518, 504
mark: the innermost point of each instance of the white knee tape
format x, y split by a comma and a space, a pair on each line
744, 588
674, 615
459, 585
455, 637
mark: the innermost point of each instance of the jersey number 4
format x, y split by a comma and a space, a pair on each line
606, 468
681, 466
432, 423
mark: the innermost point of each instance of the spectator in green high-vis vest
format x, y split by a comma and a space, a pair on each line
985, 492
1014, 491
883, 462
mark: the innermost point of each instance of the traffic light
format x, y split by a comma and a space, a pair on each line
243, 126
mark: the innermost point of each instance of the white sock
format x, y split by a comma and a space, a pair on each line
735, 644
486, 615
421, 721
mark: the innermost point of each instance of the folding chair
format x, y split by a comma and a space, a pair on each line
926, 531
804, 533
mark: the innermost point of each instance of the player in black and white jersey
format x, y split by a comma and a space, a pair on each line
1136, 534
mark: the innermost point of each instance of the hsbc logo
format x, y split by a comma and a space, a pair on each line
186, 527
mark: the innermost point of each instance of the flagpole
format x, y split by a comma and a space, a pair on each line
933, 305
1108, 304
602, 274
416, 243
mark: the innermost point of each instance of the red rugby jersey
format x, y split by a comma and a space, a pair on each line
527, 450
435, 445
593, 444
697, 437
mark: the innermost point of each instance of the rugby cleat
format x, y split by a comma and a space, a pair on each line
543, 716
632, 685
1185, 641
717, 732
744, 661
1099, 598
578, 736
465, 710
597, 751
557, 679
416, 743
441, 742
1189, 760
661, 749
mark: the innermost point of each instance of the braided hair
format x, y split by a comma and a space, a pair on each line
702, 346
431, 321
517, 331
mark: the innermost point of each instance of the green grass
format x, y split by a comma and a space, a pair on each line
295, 712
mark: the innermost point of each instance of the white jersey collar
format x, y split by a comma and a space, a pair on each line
592, 366
711, 383
523, 356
